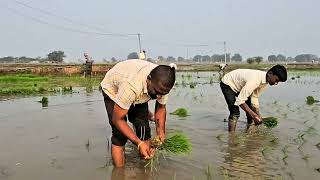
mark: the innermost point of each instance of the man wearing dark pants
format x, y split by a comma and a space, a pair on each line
242, 87
127, 88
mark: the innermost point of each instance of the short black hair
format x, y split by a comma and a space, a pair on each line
165, 74
279, 71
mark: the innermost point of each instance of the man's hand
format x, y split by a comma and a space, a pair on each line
145, 150
257, 119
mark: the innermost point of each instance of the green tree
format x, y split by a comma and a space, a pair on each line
160, 58
133, 55
206, 58
180, 59
236, 58
272, 58
281, 58
56, 56
258, 59
113, 59
171, 59
197, 58
250, 60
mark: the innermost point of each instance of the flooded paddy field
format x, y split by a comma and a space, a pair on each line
69, 138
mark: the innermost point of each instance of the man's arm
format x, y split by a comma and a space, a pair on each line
160, 119
123, 127
256, 117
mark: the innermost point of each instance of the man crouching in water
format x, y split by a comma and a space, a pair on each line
242, 87
127, 88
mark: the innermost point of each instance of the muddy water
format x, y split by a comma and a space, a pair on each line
69, 138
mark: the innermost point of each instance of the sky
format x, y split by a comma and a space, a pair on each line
109, 28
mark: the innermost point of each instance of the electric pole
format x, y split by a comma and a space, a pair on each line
139, 42
225, 52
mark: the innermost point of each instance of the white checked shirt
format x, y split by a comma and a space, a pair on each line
126, 84
248, 82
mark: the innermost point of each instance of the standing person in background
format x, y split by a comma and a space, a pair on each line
127, 88
88, 65
142, 55
242, 87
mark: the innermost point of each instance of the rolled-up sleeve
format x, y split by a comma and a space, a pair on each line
125, 96
256, 94
245, 92
163, 99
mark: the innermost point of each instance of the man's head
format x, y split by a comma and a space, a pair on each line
160, 81
277, 73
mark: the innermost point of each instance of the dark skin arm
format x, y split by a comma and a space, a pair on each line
160, 119
120, 123
256, 117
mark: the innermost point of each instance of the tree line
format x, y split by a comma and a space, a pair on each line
58, 57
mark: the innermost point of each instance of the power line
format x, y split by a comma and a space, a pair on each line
70, 20
61, 27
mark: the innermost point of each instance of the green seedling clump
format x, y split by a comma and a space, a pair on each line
177, 144
181, 112
270, 122
44, 101
311, 100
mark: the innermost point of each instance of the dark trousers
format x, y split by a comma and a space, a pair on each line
230, 97
137, 115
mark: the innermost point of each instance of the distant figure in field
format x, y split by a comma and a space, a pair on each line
142, 55
221, 71
88, 65
242, 88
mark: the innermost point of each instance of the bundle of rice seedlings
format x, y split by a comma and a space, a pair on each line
311, 100
177, 144
270, 122
44, 101
181, 112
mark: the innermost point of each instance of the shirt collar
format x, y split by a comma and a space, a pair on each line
264, 78
145, 87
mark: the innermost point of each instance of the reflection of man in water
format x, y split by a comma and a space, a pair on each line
127, 88
243, 158
242, 87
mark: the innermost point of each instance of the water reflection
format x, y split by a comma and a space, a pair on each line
243, 158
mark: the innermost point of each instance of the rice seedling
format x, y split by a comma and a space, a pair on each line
181, 112
317, 169
44, 101
274, 140
285, 153
219, 137
193, 85
209, 172
311, 100
265, 150
176, 144
225, 174
318, 145
270, 122
293, 78
306, 157
67, 89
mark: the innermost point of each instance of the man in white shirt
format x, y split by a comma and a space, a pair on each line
127, 88
242, 87
142, 55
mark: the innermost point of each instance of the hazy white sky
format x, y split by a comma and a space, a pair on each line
168, 27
